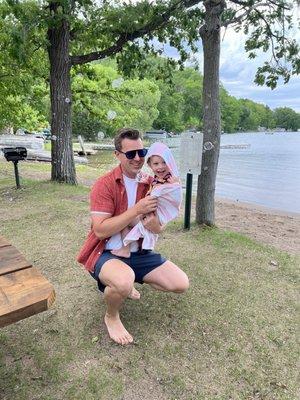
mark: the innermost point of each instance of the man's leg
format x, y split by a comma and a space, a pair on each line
118, 278
168, 278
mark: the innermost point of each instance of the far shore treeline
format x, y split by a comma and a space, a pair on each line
104, 101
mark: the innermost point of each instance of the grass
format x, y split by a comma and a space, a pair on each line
233, 335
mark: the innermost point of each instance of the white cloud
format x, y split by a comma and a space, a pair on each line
237, 71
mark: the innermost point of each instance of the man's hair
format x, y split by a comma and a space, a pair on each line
125, 133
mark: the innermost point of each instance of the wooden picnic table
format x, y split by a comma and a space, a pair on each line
24, 291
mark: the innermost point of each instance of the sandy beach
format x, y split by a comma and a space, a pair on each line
276, 228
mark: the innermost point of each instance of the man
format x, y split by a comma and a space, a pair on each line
118, 201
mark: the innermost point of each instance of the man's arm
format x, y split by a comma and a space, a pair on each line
104, 225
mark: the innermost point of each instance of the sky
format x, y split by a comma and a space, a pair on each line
237, 72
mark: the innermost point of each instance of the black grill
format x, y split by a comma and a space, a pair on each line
15, 153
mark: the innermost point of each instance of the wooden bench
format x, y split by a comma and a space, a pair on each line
24, 291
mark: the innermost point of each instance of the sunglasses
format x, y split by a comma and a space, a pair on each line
132, 153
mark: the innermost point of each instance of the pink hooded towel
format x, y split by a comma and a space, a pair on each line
169, 197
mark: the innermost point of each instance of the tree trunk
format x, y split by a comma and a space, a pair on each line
63, 168
210, 35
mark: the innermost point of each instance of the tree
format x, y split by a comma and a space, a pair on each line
75, 33
287, 118
268, 118
180, 106
79, 32
266, 24
230, 112
23, 89
251, 115
100, 93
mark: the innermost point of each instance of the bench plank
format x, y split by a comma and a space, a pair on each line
4, 242
11, 260
24, 293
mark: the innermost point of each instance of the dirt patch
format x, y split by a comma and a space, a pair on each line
278, 229
275, 228
80, 197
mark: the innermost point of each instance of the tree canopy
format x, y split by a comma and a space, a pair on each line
287, 118
103, 100
73, 33
100, 93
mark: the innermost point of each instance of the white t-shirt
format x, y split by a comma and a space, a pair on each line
115, 242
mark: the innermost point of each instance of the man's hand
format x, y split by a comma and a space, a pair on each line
151, 222
146, 205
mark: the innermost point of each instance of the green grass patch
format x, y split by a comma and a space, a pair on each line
233, 335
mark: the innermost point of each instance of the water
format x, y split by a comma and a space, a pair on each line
267, 173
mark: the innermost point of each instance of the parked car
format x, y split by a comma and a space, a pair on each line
47, 133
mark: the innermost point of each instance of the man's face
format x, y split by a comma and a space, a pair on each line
130, 167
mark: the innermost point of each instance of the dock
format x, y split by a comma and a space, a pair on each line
235, 146
45, 156
103, 147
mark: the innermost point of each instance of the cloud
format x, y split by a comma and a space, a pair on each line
237, 73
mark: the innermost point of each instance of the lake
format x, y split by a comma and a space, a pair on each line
266, 173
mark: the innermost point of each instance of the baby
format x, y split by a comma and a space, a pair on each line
166, 187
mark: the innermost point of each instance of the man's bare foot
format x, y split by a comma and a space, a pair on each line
117, 331
135, 294
122, 252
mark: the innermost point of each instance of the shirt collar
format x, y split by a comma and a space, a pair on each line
118, 174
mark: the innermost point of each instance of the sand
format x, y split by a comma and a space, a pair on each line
276, 228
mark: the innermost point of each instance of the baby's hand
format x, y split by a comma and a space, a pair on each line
142, 177
173, 179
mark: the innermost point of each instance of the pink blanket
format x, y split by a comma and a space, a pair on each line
169, 197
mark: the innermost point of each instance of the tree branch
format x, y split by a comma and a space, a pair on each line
156, 23
248, 3
239, 19
110, 96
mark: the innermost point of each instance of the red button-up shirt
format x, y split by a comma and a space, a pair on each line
108, 195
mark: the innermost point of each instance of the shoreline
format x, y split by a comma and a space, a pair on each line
258, 207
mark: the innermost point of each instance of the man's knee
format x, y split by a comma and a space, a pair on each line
178, 285
181, 285
124, 286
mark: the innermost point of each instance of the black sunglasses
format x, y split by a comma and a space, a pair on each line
132, 153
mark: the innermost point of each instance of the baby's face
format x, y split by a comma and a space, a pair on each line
158, 166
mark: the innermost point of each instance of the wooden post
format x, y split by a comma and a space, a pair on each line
82, 145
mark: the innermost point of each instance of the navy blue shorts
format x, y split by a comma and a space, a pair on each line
141, 262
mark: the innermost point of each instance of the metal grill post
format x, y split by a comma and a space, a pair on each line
17, 174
